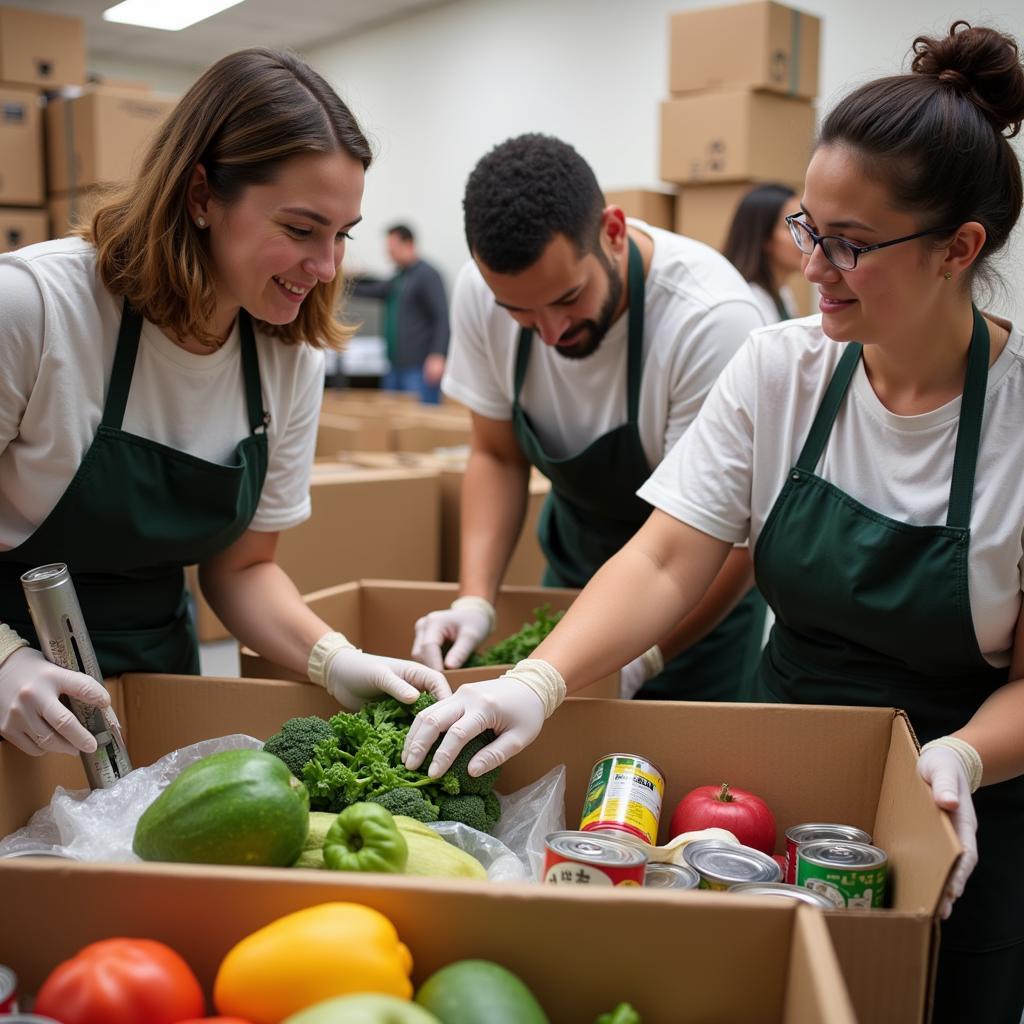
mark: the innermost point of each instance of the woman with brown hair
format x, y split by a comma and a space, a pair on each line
872, 457
160, 385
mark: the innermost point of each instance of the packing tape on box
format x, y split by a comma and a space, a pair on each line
796, 32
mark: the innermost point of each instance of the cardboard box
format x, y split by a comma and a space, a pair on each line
425, 433
752, 46
337, 434
682, 972
71, 209
19, 228
365, 523
853, 765
735, 136
380, 616
21, 147
44, 50
705, 212
656, 208
100, 136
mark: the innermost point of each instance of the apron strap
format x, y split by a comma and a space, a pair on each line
258, 416
968, 434
124, 365
817, 436
635, 347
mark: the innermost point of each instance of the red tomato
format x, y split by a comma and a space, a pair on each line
746, 816
122, 981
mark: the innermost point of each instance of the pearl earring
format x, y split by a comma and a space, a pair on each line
201, 221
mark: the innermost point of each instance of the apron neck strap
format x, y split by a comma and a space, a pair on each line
124, 365
968, 436
259, 418
635, 350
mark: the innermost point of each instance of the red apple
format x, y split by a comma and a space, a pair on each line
745, 815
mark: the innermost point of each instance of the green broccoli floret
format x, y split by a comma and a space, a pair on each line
622, 1014
480, 785
422, 702
470, 810
492, 808
407, 801
295, 742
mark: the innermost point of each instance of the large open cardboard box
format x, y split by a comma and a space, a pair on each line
581, 953
380, 616
852, 765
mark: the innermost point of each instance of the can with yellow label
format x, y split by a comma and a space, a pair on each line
624, 795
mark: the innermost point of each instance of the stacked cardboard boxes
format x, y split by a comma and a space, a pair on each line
742, 80
37, 52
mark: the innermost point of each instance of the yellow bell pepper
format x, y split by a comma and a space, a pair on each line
333, 949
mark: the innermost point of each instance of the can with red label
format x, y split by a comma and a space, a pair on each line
814, 833
8, 990
582, 858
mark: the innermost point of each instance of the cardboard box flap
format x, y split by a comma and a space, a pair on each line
815, 989
908, 830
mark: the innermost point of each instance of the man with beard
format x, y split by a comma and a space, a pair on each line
634, 325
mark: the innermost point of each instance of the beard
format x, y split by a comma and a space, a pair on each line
588, 335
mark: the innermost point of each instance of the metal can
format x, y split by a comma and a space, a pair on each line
722, 865
581, 858
29, 1018
847, 874
64, 639
670, 876
624, 795
783, 890
8, 990
816, 832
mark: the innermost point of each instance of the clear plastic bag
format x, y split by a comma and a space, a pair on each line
99, 824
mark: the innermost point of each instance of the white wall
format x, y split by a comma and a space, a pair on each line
437, 90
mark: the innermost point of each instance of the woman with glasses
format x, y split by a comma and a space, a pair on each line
872, 456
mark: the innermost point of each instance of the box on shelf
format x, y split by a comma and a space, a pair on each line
365, 523
655, 208
350, 433
71, 209
852, 765
20, 227
21, 147
735, 136
100, 135
44, 50
761, 45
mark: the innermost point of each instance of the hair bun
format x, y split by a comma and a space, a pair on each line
981, 64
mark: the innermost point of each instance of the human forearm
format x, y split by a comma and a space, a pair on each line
494, 495
996, 731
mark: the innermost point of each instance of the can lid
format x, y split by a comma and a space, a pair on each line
783, 890
818, 830
670, 876
831, 853
44, 576
596, 848
723, 861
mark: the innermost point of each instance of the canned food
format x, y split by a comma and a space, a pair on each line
582, 858
815, 832
847, 874
721, 865
783, 890
670, 876
624, 795
8, 990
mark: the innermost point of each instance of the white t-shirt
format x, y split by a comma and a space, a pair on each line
766, 303
698, 310
58, 335
724, 476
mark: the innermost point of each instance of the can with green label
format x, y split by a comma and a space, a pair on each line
848, 874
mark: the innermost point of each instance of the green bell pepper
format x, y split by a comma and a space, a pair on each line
364, 1009
364, 837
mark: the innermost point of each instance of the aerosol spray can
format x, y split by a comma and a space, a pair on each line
57, 617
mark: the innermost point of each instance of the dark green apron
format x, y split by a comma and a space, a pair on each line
134, 514
593, 510
875, 612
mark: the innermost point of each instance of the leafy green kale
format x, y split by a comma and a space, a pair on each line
519, 645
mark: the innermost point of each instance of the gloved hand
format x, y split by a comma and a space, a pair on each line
944, 770
638, 671
31, 715
465, 625
354, 676
511, 708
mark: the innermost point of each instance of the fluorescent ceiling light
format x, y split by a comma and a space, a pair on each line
162, 14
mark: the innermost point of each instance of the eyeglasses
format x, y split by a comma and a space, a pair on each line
843, 255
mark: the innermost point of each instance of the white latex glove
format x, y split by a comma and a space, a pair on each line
354, 676
31, 715
512, 709
944, 771
638, 671
465, 627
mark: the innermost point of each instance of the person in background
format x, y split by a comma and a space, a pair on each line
415, 318
160, 386
873, 457
583, 343
760, 247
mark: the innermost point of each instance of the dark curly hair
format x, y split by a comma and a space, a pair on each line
524, 192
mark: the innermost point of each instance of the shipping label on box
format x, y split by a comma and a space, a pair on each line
760, 45
19, 228
21, 147
735, 136
44, 50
